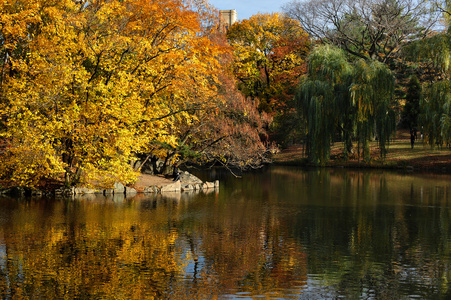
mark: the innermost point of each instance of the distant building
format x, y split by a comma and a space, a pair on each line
227, 18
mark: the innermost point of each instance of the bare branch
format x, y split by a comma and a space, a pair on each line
370, 29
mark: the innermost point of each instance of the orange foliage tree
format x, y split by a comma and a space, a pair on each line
269, 58
270, 52
230, 132
85, 85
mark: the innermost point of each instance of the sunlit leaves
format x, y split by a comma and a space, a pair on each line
93, 84
270, 55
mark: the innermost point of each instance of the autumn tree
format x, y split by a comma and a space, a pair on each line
269, 56
31, 85
227, 129
230, 133
86, 86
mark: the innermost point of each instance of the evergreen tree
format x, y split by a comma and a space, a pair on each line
412, 106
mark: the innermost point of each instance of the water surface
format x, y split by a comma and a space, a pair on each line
283, 233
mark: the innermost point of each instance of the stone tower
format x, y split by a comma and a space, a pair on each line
227, 18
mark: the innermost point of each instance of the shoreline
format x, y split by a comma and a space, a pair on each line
402, 166
145, 184
400, 156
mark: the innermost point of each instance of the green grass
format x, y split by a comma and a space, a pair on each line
400, 155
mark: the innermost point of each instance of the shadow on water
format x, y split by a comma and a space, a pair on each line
280, 233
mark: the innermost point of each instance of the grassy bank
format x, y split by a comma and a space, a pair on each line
400, 156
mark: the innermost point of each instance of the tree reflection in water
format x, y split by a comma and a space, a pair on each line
283, 233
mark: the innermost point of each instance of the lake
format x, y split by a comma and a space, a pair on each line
279, 233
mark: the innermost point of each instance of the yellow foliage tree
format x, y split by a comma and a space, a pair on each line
270, 52
85, 86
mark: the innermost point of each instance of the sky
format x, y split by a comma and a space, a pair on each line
247, 8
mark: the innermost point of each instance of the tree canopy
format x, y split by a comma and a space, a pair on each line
350, 100
368, 29
434, 118
269, 56
85, 85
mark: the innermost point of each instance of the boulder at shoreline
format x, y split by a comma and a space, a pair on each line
145, 183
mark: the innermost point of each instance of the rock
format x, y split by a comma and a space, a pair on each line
151, 189
139, 189
188, 183
130, 191
174, 187
208, 185
85, 190
187, 187
67, 191
188, 178
119, 188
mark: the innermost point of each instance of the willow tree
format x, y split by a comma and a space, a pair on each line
445, 122
435, 52
435, 113
347, 99
372, 91
323, 96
